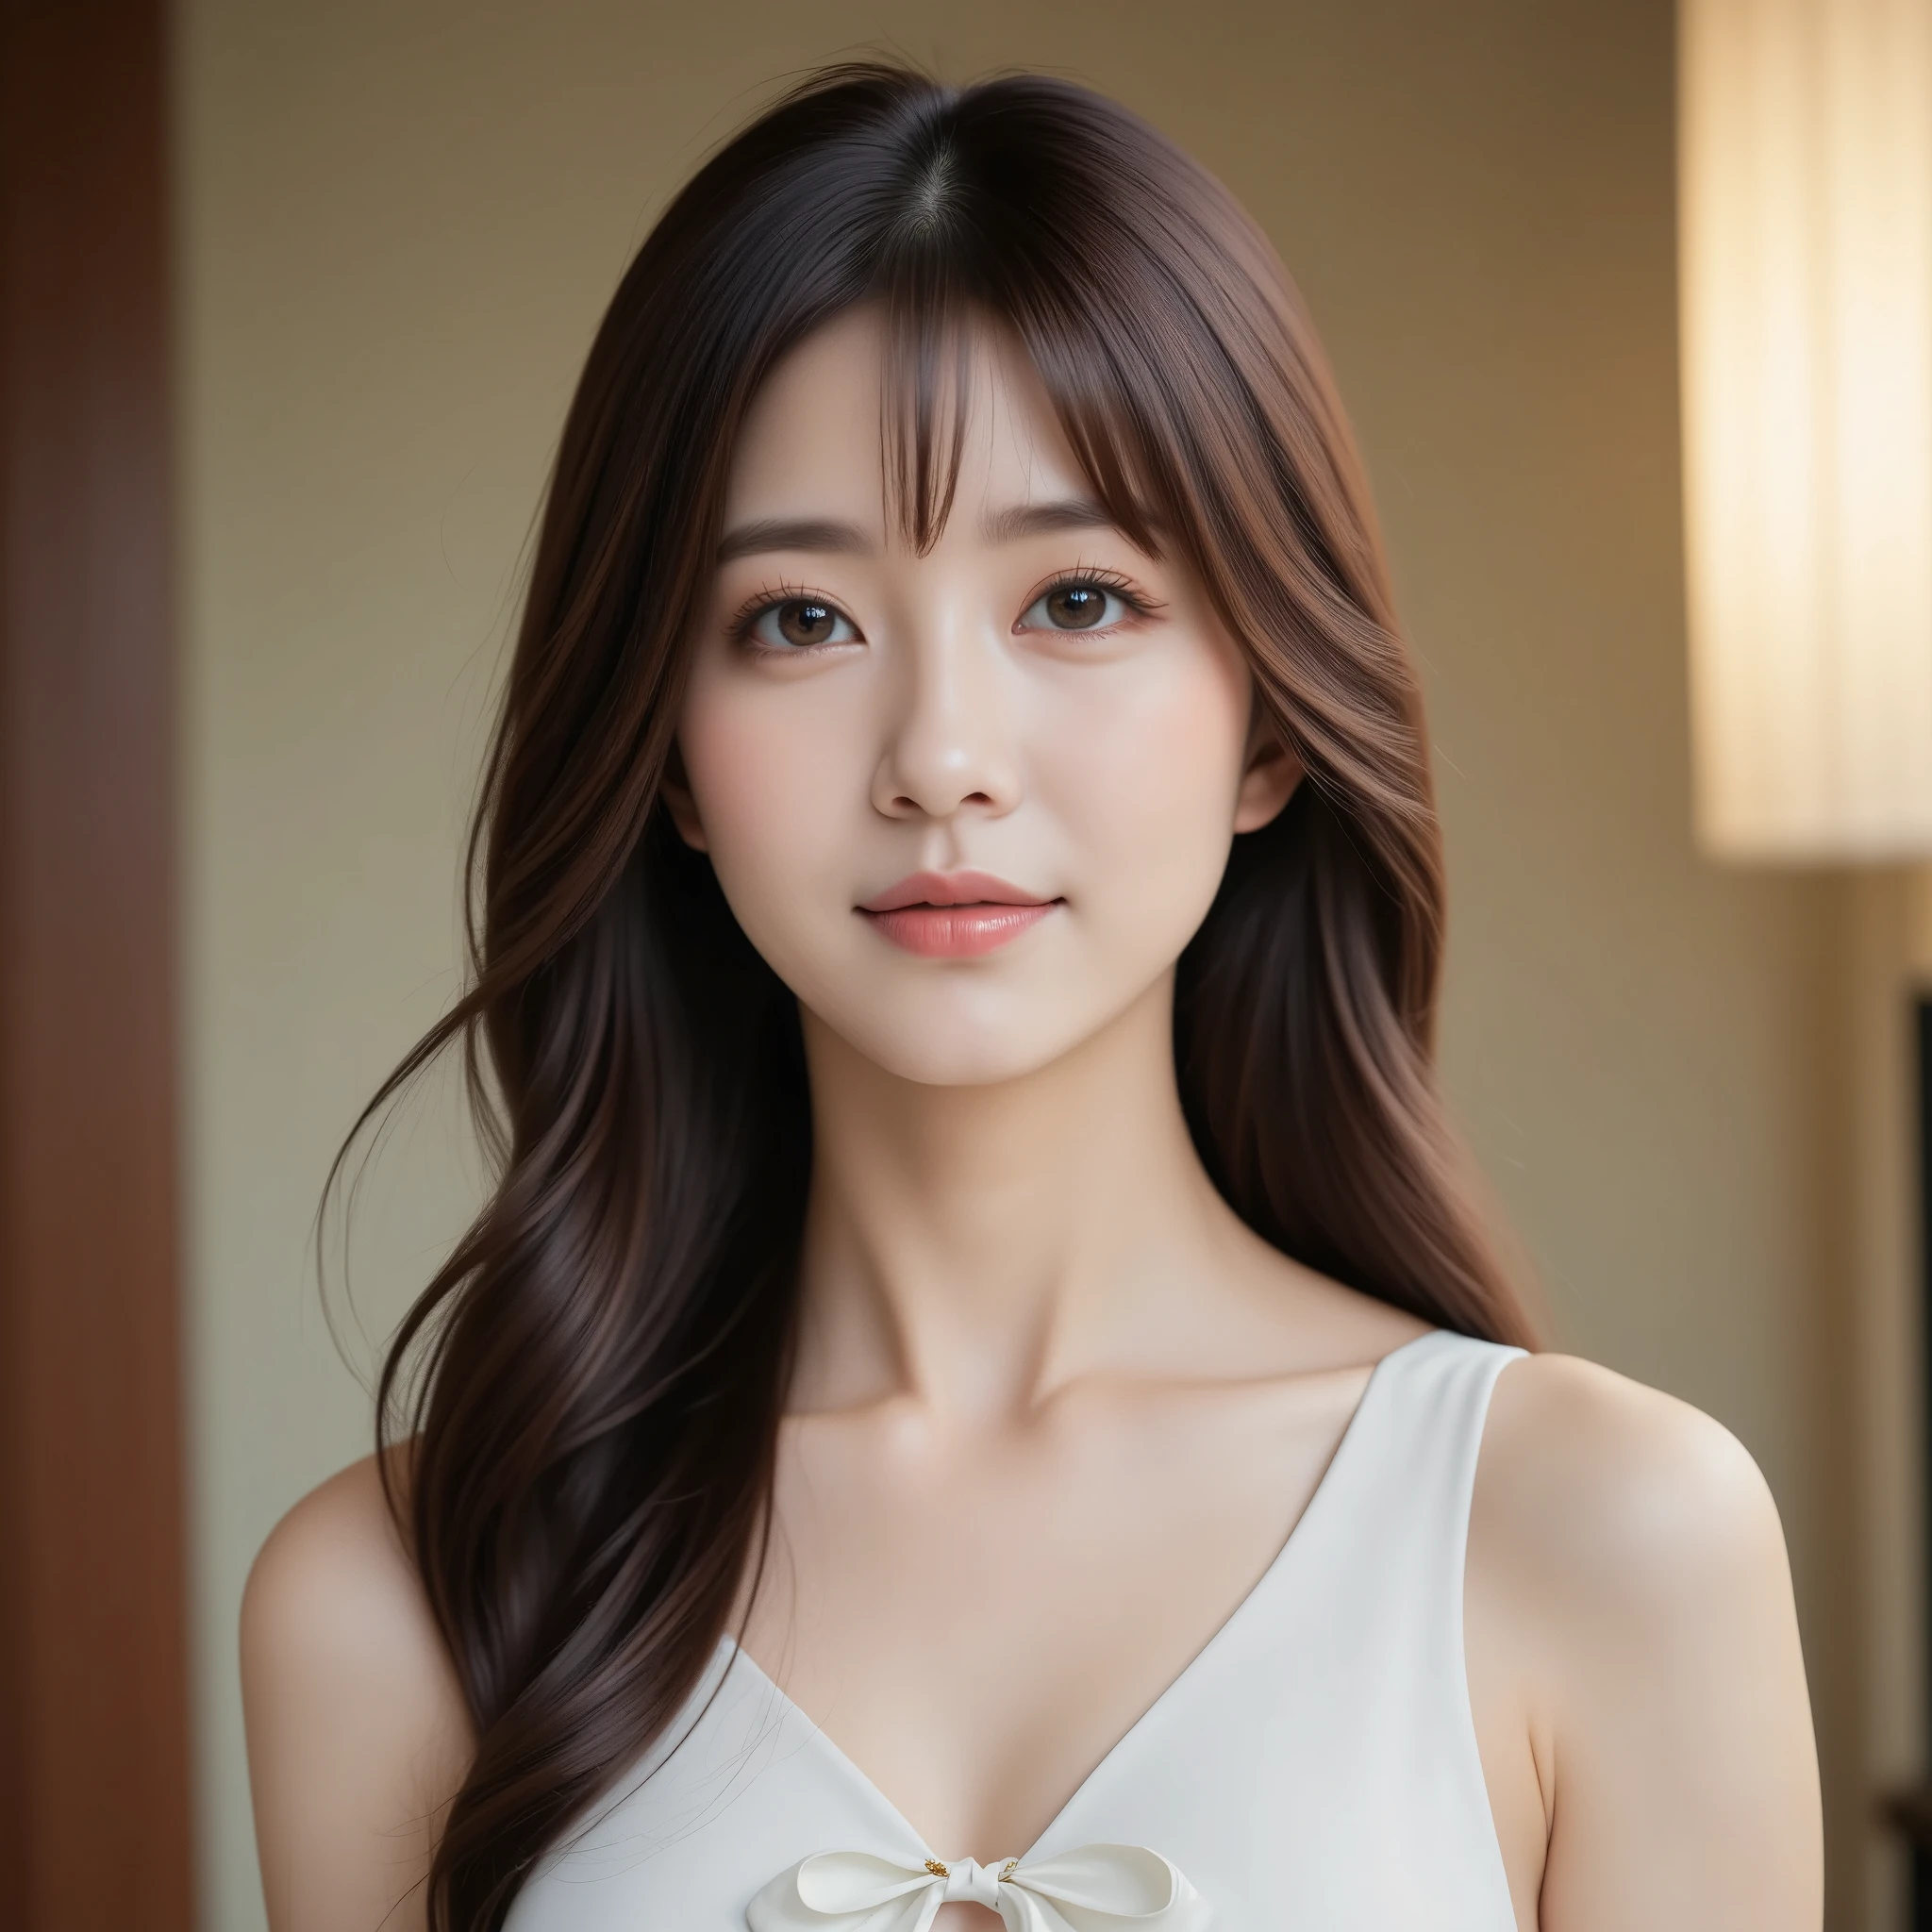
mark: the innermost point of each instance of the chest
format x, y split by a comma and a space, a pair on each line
1314, 1763
976, 1621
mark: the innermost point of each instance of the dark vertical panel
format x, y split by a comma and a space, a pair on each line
1912, 1810
1922, 1043
94, 1813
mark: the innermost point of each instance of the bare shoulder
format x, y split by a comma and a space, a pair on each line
358, 1734
333, 1589
1593, 1485
1635, 1666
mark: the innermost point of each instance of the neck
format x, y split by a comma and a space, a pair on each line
978, 1246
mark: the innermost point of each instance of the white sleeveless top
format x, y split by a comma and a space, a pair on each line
1314, 1769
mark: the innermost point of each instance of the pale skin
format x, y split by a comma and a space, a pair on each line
1029, 1321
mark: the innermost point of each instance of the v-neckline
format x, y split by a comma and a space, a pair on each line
1218, 1638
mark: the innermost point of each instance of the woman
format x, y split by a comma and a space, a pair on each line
979, 1388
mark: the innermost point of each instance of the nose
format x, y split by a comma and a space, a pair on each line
950, 741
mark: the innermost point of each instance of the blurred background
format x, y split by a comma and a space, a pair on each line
388, 230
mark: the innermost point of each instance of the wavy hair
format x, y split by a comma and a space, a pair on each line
587, 1396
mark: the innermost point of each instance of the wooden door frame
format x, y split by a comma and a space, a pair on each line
96, 1812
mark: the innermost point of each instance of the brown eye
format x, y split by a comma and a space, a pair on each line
805, 624
801, 624
1077, 603
1077, 606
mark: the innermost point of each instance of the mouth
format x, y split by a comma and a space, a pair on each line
954, 915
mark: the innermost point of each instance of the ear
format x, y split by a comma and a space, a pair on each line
1268, 781
674, 788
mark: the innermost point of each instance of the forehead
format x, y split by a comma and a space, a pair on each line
813, 441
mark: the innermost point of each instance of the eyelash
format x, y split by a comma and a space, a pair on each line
755, 607
1139, 604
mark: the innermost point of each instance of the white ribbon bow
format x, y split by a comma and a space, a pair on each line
1095, 1889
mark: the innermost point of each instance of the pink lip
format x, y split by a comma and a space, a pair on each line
954, 915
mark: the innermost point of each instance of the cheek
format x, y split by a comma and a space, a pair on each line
771, 768
1149, 774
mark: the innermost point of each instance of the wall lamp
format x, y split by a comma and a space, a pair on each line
1805, 285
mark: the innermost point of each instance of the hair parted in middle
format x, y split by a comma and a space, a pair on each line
584, 1402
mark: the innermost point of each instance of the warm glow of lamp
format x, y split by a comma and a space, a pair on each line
1805, 258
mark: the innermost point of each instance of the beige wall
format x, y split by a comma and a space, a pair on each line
400, 220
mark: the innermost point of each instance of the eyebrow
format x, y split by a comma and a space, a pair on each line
1038, 518
827, 536
793, 533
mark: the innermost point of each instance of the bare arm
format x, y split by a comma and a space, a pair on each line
1629, 1598
358, 1736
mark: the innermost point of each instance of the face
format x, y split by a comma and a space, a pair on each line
969, 806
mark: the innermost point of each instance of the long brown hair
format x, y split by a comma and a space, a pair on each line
594, 1382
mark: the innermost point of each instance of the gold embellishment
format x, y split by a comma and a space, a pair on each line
1007, 1869
937, 1870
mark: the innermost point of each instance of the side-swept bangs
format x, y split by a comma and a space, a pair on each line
593, 1380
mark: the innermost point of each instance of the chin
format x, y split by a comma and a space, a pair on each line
952, 1049
990, 1067
929, 1062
